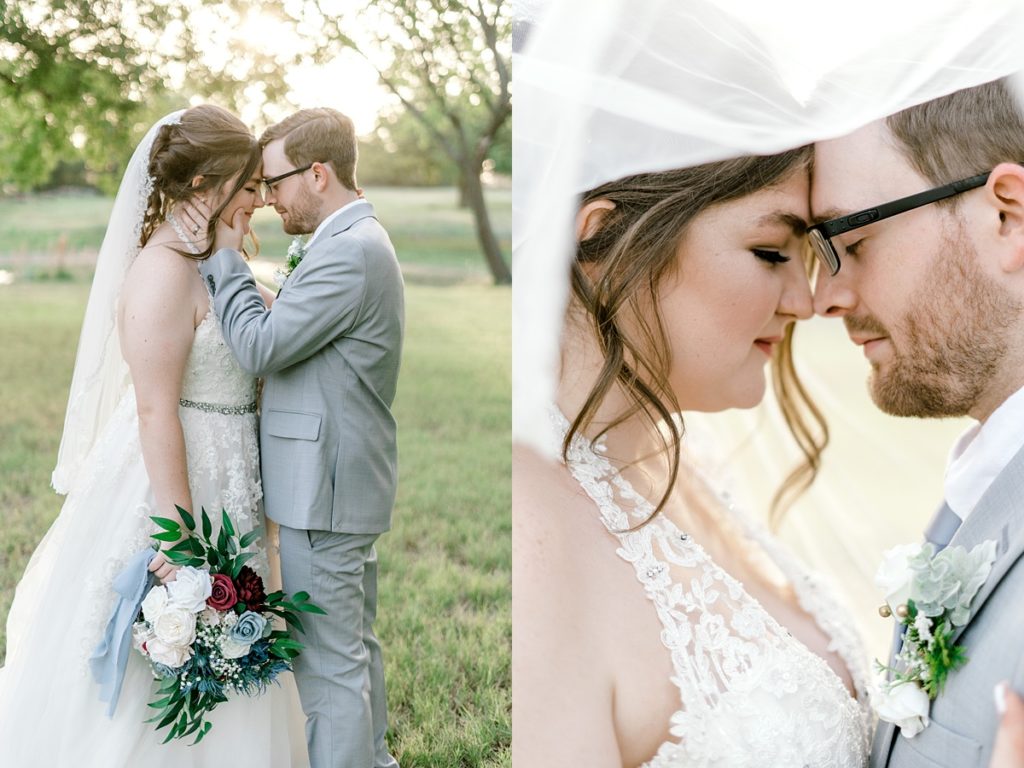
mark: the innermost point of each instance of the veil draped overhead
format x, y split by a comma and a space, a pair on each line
608, 90
101, 374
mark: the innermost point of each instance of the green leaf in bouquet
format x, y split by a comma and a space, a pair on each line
222, 541
241, 560
195, 562
167, 524
178, 558
232, 546
300, 597
310, 608
186, 518
159, 704
225, 521
275, 597
188, 545
213, 558
293, 620
203, 732
207, 525
250, 537
166, 536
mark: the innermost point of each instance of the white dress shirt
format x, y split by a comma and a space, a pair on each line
982, 452
332, 217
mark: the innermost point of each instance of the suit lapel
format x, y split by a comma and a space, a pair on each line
999, 516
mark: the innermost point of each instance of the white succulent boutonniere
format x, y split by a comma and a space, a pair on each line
930, 594
296, 252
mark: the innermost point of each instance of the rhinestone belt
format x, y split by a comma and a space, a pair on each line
227, 410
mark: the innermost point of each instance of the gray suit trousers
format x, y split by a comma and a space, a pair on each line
340, 674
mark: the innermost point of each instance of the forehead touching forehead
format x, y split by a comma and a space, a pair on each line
275, 162
859, 170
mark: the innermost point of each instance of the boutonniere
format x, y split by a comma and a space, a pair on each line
296, 252
930, 595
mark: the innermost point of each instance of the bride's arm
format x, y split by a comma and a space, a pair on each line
561, 696
157, 329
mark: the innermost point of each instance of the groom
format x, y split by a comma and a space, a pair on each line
935, 296
329, 350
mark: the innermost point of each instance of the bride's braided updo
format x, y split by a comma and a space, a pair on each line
209, 144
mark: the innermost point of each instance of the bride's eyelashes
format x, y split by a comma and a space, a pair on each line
770, 257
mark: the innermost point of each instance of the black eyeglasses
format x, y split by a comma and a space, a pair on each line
821, 234
267, 185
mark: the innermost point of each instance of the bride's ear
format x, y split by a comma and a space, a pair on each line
196, 181
590, 218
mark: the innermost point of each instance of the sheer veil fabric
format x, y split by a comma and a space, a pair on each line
623, 87
100, 376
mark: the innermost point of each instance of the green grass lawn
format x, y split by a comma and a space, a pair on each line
445, 584
424, 223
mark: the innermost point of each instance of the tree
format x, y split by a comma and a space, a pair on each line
447, 61
81, 80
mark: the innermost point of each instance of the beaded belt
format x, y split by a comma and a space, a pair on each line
227, 410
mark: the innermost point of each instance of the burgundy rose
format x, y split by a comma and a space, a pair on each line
224, 595
250, 589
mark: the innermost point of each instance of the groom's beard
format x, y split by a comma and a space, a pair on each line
303, 213
952, 340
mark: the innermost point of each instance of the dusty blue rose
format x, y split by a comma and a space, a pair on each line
249, 628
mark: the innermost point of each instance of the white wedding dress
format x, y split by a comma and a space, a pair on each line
50, 712
750, 694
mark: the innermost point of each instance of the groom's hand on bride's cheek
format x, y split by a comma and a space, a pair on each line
196, 215
230, 235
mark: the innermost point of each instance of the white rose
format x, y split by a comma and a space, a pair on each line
904, 704
230, 619
169, 655
894, 575
232, 649
176, 626
155, 603
190, 589
141, 633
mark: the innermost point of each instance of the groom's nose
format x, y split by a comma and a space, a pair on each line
833, 297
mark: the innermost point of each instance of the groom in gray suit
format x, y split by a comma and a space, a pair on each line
932, 288
329, 349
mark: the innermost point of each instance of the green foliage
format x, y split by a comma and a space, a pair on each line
81, 80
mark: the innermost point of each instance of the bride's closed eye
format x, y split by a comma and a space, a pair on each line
769, 256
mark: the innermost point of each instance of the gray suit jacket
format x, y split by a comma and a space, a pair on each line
963, 717
329, 349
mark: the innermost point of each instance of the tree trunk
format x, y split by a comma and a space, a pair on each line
470, 177
463, 191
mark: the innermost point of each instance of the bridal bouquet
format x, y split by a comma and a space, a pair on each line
213, 631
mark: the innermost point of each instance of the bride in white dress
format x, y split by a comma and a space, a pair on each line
160, 414
654, 624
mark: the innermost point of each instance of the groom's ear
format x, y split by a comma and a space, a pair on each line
1005, 192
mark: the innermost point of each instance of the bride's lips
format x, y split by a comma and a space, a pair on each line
766, 345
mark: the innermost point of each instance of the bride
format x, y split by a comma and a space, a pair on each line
654, 624
159, 414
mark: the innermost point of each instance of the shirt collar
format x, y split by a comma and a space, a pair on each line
981, 453
331, 217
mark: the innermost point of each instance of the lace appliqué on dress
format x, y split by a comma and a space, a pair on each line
750, 693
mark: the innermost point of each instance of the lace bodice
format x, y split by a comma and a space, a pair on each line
750, 693
212, 374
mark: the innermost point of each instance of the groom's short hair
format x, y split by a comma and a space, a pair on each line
318, 136
963, 134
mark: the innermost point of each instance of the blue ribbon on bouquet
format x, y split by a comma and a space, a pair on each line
110, 658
